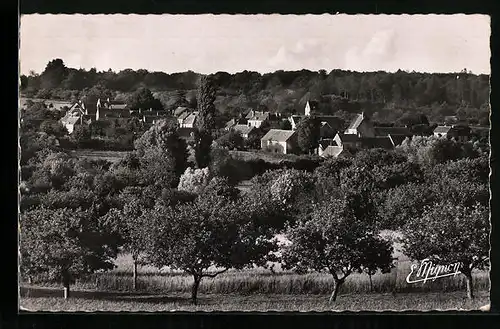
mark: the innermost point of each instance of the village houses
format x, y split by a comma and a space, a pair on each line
280, 141
460, 133
244, 130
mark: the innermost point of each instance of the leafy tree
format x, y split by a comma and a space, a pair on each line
57, 167
332, 239
194, 180
232, 140
52, 127
143, 98
222, 164
163, 139
447, 233
308, 134
403, 203
467, 170
54, 74
72, 199
377, 253
328, 176
158, 168
293, 190
219, 189
64, 244
285, 125
202, 147
253, 141
202, 235
81, 135
206, 108
205, 121
129, 230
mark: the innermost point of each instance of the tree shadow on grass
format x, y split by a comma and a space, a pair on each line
138, 297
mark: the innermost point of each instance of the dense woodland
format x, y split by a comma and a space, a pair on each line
390, 97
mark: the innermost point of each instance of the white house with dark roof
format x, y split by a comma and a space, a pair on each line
77, 114
279, 141
111, 109
256, 118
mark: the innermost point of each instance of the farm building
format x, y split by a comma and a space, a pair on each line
280, 141
256, 118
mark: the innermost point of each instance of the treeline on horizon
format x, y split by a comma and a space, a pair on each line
389, 97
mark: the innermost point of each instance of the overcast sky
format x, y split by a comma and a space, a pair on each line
263, 43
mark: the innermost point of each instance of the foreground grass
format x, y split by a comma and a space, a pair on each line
51, 300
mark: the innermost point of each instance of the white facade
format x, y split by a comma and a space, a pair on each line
307, 110
254, 123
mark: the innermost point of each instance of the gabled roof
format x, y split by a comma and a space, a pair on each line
333, 121
117, 106
324, 143
348, 138
397, 139
190, 118
313, 104
442, 129
230, 124
332, 151
152, 113
243, 129
257, 116
278, 135
376, 142
356, 122
386, 131
181, 109
183, 115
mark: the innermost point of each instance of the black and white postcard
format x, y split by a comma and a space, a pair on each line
254, 162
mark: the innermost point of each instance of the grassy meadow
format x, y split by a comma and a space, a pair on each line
43, 300
111, 156
255, 289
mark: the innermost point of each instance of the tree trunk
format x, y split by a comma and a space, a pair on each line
335, 292
66, 291
468, 278
194, 291
66, 283
134, 275
371, 284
